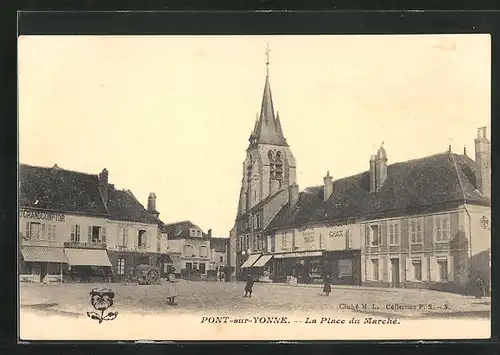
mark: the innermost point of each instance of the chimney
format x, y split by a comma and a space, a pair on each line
103, 185
152, 204
373, 174
293, 194
328, 189
209, 233
381, 168
483, 161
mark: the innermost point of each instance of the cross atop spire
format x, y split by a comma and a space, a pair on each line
267, 58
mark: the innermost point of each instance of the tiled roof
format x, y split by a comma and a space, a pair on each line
180, 229
261, 203
219, 244
123, 206
432, 181
60, 190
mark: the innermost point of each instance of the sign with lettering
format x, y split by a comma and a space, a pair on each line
308, 236
299, 255
42, 215
340, 223
485, 222
336, 234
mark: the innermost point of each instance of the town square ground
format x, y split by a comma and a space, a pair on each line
227, 298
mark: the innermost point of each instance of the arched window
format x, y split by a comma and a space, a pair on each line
249, 167
279, 166
272, 168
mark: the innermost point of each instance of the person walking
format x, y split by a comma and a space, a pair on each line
327, 288
249, 286
221, 276
171, 289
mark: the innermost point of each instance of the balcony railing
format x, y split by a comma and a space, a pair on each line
99, 245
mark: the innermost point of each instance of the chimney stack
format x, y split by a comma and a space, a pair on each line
103, 185
293, 194
483, 160
328, 189
210, 233
381, 167
152, 204
373, 174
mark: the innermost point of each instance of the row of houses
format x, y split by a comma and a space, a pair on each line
419, 223
78, 226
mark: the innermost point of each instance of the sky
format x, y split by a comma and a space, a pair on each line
172, 115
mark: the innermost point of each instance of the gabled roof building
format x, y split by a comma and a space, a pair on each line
77, 225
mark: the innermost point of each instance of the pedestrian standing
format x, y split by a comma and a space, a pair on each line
327, 288
479, 287
249, 286
221, 276
171, 289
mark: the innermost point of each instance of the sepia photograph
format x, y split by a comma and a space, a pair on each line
286, 187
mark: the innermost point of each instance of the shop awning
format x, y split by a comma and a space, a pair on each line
250, 261
262, 261
87, 257
43, 254
304, 254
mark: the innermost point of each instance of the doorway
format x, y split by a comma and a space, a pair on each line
43, 271
395, 272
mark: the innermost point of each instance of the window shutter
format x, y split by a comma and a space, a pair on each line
385, 270
383, 234
28, 233
451, 273
73, 233
434, 269
89, 234
409, 269
425, 268
43, 232
103, 236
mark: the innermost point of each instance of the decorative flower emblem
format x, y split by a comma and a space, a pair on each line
101, 300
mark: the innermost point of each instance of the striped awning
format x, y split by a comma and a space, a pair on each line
87, 257
262, 261
250, 261
43, 254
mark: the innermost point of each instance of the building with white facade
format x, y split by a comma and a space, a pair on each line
77, 226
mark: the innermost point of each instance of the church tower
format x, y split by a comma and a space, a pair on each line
269, 165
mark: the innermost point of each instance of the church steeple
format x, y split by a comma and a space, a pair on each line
268, 128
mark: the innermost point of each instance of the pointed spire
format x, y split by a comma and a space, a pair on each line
268, 129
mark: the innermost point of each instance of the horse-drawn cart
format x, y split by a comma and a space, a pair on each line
148, 275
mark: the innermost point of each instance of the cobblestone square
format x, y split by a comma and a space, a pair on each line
220, 299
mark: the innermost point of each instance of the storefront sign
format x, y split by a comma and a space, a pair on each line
485, 222
299, 255
336, 234
339, 223
308, 236
41, 215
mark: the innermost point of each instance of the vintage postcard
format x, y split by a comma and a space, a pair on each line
254, 187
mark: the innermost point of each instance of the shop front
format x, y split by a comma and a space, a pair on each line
88, 265
344, 267
42, 264
305, 267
